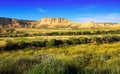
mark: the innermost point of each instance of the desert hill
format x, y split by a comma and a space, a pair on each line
56, 23
53, 23
12, 22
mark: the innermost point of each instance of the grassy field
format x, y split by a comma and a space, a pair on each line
74, 59
88, 53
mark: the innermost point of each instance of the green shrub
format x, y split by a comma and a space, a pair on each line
67, 42
10, 45
74, 40
39, 43
26, 34
84, 40
23, 44
54, 42
48, 65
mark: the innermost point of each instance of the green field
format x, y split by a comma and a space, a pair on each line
60, 51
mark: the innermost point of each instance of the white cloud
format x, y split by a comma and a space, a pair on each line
42, 10
112, 17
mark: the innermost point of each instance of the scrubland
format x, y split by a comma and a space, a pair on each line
52, 51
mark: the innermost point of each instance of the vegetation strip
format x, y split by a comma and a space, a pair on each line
11, 32
11, 45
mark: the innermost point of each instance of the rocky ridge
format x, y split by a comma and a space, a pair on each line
53, 23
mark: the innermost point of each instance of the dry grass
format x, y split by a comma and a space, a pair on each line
72, 55
2, 43
111, 48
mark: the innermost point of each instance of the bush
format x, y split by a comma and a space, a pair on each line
23, 44
51, 42
74, 40
107, 39
26, 34
38, 43
67, 42
48, 65
11, 45
54, 42
84, 40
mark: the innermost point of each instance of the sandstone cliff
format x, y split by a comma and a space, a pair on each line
53, 20
56, 23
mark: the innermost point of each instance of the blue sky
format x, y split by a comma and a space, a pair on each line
75, 10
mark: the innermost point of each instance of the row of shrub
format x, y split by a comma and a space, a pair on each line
15, 35
25, 34
12, 45
84, 32
11, 32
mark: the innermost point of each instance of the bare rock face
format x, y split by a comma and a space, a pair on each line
7, 21
55, 23
53, 20
11, 22
28, 23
